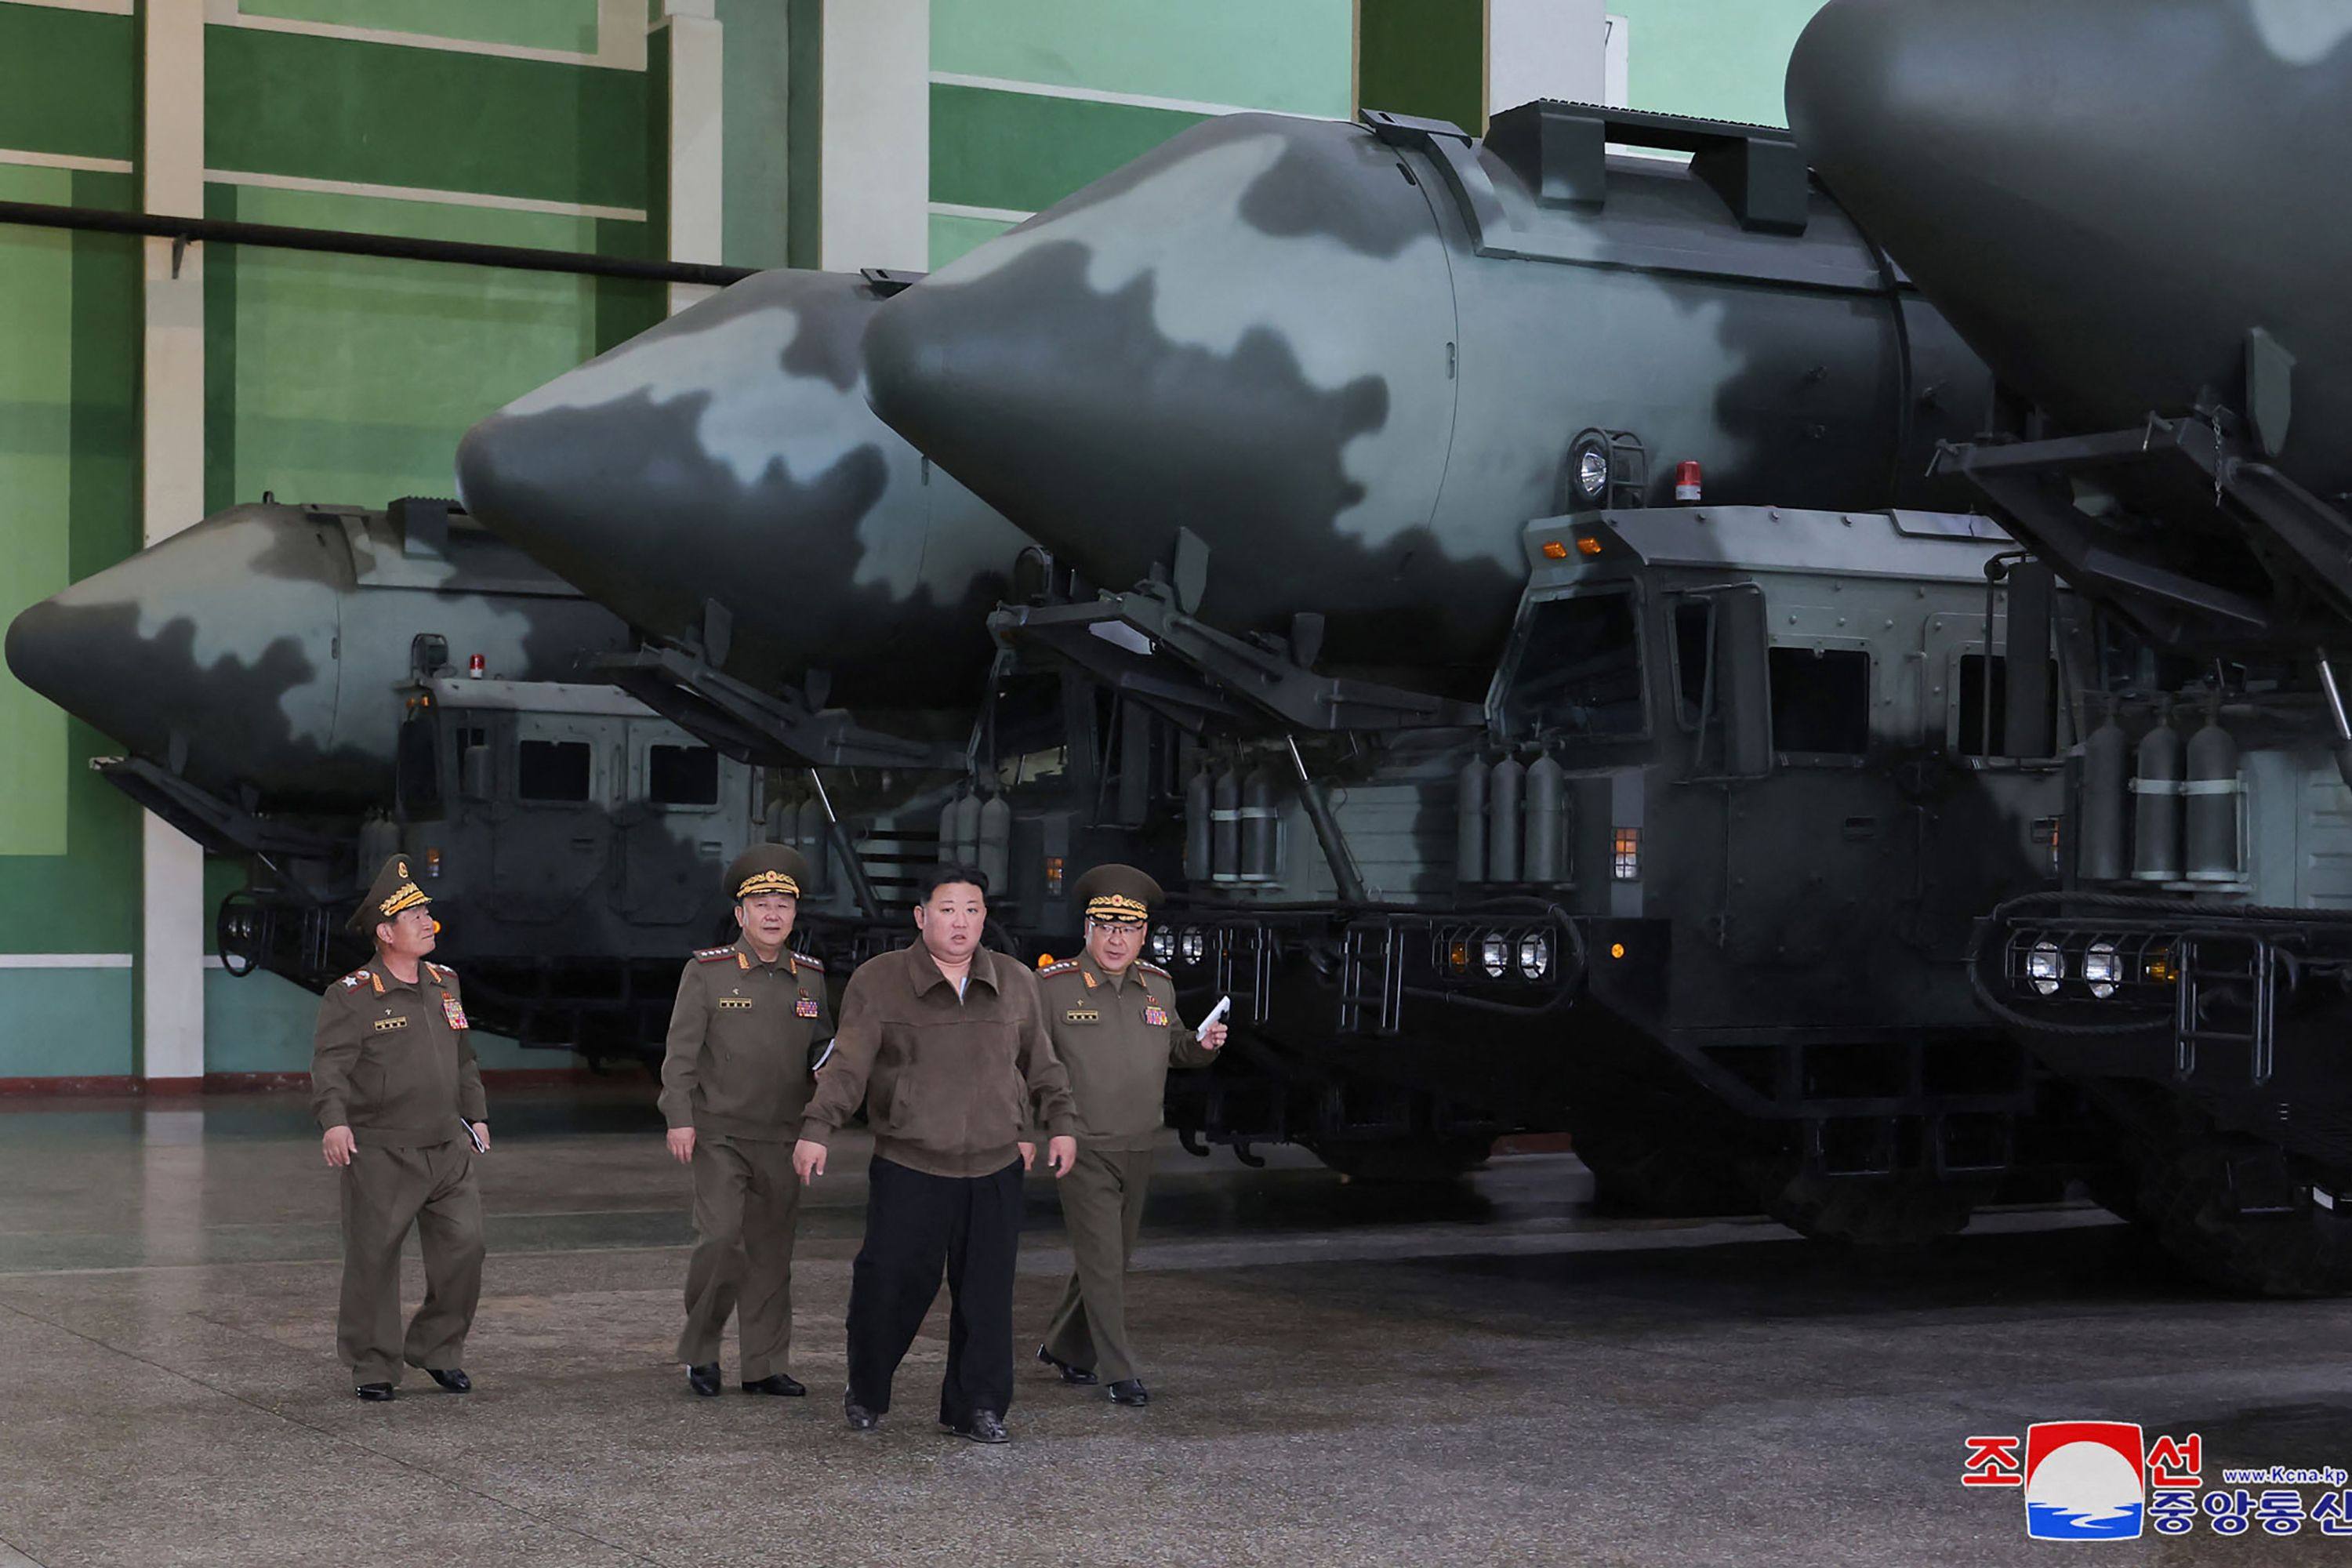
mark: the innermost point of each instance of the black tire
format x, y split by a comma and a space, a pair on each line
1638, 1169
1402, 1160
1904, 1210
2193, 1201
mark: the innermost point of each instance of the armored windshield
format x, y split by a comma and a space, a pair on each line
1579, 673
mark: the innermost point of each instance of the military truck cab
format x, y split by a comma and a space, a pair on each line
572, 841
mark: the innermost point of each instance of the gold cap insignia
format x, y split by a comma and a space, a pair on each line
1117, 909
768, 882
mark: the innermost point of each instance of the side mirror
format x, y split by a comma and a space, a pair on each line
1743, 682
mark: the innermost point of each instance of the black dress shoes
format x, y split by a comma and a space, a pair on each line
1129, 1391
1077, 1374
860, 1419
373, 1392
704, 1379
981, 1426
455, 1380
776, 1383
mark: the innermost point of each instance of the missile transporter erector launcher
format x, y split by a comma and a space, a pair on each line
2115, 202
308, 689
1696, 881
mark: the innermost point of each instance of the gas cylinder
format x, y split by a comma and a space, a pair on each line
1198, 852
1470, 822
1225, 826
1505, 789
816, 843
1258, 827
993, 827
2106, 786
2156, 818
1546, 844
2210, 804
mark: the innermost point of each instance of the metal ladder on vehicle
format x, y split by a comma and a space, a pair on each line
1371, 981
2258, 973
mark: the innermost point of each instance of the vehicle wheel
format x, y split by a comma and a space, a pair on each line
2232, 1213
1431, 1159
1868, 1211
1639, 1169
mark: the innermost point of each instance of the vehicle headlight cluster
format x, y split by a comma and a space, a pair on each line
1163, 946
1193, 942
2102, 967
1498, 955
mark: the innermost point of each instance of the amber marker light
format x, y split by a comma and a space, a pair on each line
1616, 949
1554, 550
1589, 544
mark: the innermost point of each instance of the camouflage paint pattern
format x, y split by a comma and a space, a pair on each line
2106, 196
1296, 340
267, 645
728, 455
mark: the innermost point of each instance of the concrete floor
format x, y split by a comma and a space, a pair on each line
1341, 1375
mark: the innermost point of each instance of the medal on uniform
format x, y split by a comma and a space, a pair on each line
454, 1012
805, 1007
1082, 1016
735, 1004
1155, 1015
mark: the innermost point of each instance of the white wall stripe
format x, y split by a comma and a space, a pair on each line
106, 7
65, 160
1096, 95
419, 194
613, 54
993, 214
65, 961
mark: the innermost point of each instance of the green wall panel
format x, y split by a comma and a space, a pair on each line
331, 108
1425, 57
533, 24
68, 81
756, 77
68, 465
803, 120
1022, 151
65, 1023
37, 477
1727, 59
951, 237
1292, 55
354, 377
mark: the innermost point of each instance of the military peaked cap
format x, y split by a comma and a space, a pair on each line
767, 869
1118, 895
392, 893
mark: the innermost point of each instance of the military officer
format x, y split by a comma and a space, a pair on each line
734, 1083
398, 1097
1116, 1028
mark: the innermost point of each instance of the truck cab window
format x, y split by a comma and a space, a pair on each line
554, 771
1820, 701
682, 775
1578, 672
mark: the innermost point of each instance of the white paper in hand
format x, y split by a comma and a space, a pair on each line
1216, 1014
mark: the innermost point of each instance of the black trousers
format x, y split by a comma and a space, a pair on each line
917, 1224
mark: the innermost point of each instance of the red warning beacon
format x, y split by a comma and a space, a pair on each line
1686, 481
474, 668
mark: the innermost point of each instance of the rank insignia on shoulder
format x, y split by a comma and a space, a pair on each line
712, 954
441, 972
1082, 1016
735, 1004
357, 977
806, 1007
1062, 968
386, 1026
1155, 1015
804, 960
1150, 968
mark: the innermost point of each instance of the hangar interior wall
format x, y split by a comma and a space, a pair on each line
541, 124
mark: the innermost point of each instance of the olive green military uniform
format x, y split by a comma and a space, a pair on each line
1118, 1036
393, 1061
736, 1071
